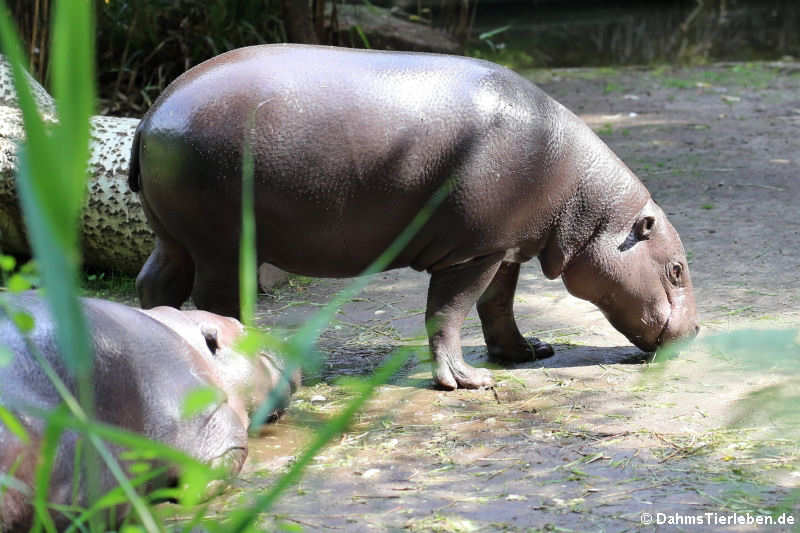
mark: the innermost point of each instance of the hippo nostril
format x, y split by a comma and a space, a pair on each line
696, 330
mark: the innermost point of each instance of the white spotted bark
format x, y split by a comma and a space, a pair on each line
114, 230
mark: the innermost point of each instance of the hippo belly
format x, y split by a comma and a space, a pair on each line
348, 147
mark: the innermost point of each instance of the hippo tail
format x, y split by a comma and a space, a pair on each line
134, 175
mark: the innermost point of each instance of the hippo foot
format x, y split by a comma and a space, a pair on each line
522, 351
451, 373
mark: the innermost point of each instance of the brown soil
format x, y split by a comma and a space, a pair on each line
587, 440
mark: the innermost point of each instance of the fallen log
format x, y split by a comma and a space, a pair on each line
114, 230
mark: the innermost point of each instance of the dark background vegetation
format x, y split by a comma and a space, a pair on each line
144, 44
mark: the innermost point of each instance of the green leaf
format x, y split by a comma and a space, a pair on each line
7, 263
14, 425
139, 468
18, 283
115, 496
23, 321
29, 268
254, 341
197, 400
194, 485
52, 166
131, 529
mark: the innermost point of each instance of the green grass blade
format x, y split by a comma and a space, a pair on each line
10, 482
59, 270
247, 243
491, 33
362, 36
242, 520
144, 447
35, 130
302, 342
51, 181
308, 334
13, 424
72, 63
44, 469
51, 169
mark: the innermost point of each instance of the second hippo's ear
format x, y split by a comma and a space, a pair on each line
643, 227
212, 337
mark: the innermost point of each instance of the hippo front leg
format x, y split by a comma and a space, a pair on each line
451, 294
167, 276
496, 310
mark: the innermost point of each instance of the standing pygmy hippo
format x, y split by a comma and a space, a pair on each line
145, 364
348, 147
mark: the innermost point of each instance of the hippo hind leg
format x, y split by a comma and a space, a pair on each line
496, 310
216, 286
451, 294
167, 276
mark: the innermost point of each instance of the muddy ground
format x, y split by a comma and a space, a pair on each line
587, 440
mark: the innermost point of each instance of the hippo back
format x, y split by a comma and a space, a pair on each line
345, 140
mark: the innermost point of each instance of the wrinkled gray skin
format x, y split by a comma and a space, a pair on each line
349, 145
145, 363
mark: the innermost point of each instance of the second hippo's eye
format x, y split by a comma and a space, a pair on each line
211, 336
675, 273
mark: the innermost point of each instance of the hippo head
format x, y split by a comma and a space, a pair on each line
637, 274
247, 381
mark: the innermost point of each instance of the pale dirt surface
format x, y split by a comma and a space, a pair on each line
583, 441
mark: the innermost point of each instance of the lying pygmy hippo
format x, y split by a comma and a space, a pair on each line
348, 147
146, 362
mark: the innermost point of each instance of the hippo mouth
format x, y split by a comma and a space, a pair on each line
231, 459
652, 347
660, 338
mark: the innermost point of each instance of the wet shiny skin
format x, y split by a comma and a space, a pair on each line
145, 364
349, 145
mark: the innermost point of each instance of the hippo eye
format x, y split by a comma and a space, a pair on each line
644, 227
211, 337
675, 271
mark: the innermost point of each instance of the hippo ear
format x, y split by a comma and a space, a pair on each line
644, 227
212, 337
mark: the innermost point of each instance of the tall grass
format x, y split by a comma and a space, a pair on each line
52, 182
